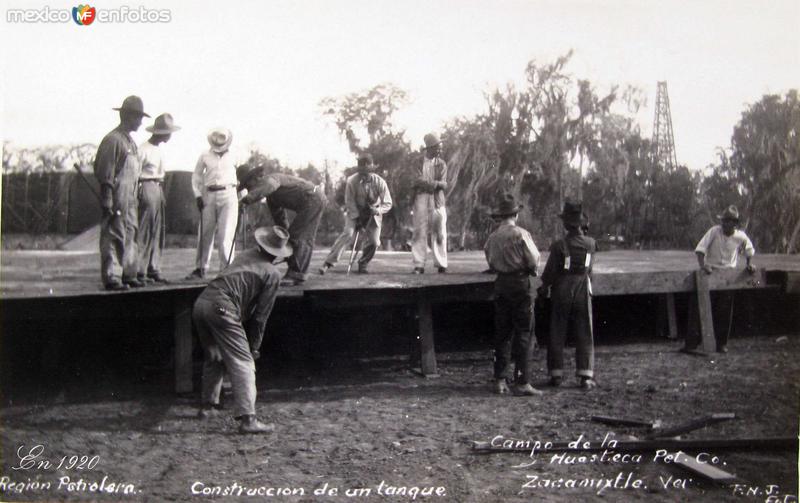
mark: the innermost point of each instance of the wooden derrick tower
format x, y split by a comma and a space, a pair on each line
663, 141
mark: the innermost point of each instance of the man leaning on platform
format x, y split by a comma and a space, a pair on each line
117, 167
720, 248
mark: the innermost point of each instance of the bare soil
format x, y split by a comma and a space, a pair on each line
374, 425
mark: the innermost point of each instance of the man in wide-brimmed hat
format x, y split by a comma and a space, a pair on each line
151, 234
116, 167
214, 185
720, 248
286, 192
568, 272
512, 254
367, 199
430, 214
230, 316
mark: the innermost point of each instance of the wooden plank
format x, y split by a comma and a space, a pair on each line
621, 421
695, 424
704, 469
740, 444
426, 344
183, 344
672, 317
704, 312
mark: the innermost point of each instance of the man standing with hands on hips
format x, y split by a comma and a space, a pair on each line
214, 185
116, 167
430, 214
150, 238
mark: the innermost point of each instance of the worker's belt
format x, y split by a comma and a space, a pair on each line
515, 274
157, 180
217, 188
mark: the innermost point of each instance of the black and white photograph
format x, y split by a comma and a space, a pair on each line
460, 251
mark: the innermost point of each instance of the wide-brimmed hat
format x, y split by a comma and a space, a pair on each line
730, 213
431, 140
506, 207
163, 124
573, 214
220, 139
245, 173
274, 240
365, 161
132, 104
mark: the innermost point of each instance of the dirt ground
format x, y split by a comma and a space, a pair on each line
371, 430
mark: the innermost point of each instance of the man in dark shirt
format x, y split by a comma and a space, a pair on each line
230, 316
117, 168
568, 271
511, 253
286, 192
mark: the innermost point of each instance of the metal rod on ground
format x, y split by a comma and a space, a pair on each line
235, 232
353, 253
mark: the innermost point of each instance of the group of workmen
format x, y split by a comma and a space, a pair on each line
232, 312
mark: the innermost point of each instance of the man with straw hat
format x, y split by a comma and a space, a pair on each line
367, 199
720, 248
568, 271
511, 253
214, 185
151, 234
116, 167
230, 316
286, 192
430, 214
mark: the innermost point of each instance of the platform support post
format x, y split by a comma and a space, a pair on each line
183, 344
704, 312
425, 334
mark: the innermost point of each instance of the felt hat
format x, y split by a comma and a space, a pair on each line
507, 207
274, 240
220, 139
431, 140
730, 213
132, 104
163, 124
245, 173
573, 214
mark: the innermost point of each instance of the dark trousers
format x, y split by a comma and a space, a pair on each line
513, 343
302, 232
721, 314
571, 313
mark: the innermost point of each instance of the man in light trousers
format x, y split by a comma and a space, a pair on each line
430, 214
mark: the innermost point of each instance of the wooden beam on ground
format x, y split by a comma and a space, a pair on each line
704, 312
182, 317
704, 469
620, 421
695, 424
650, 445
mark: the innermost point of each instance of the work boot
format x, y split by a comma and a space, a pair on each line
418, 270
324, 268
501, 387
144, 280
442, 270
196, 274
556, 381
158, 278
526, 390
362, 269
291, 282
133, 282
208, 410
588, 383
249, 424
115, 285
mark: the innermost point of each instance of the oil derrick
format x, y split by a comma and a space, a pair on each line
663, 141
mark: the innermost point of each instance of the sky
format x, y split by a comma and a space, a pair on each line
260, 68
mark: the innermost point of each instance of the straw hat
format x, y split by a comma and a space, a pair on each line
220, 139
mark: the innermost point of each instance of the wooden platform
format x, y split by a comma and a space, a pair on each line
52, 283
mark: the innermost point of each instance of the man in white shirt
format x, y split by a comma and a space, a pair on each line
214, 185
151, 234
430, 214
720, 248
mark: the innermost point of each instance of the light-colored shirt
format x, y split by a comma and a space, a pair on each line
434, 171
214, 170
363, 193
723, 251
510, 248
152, 159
